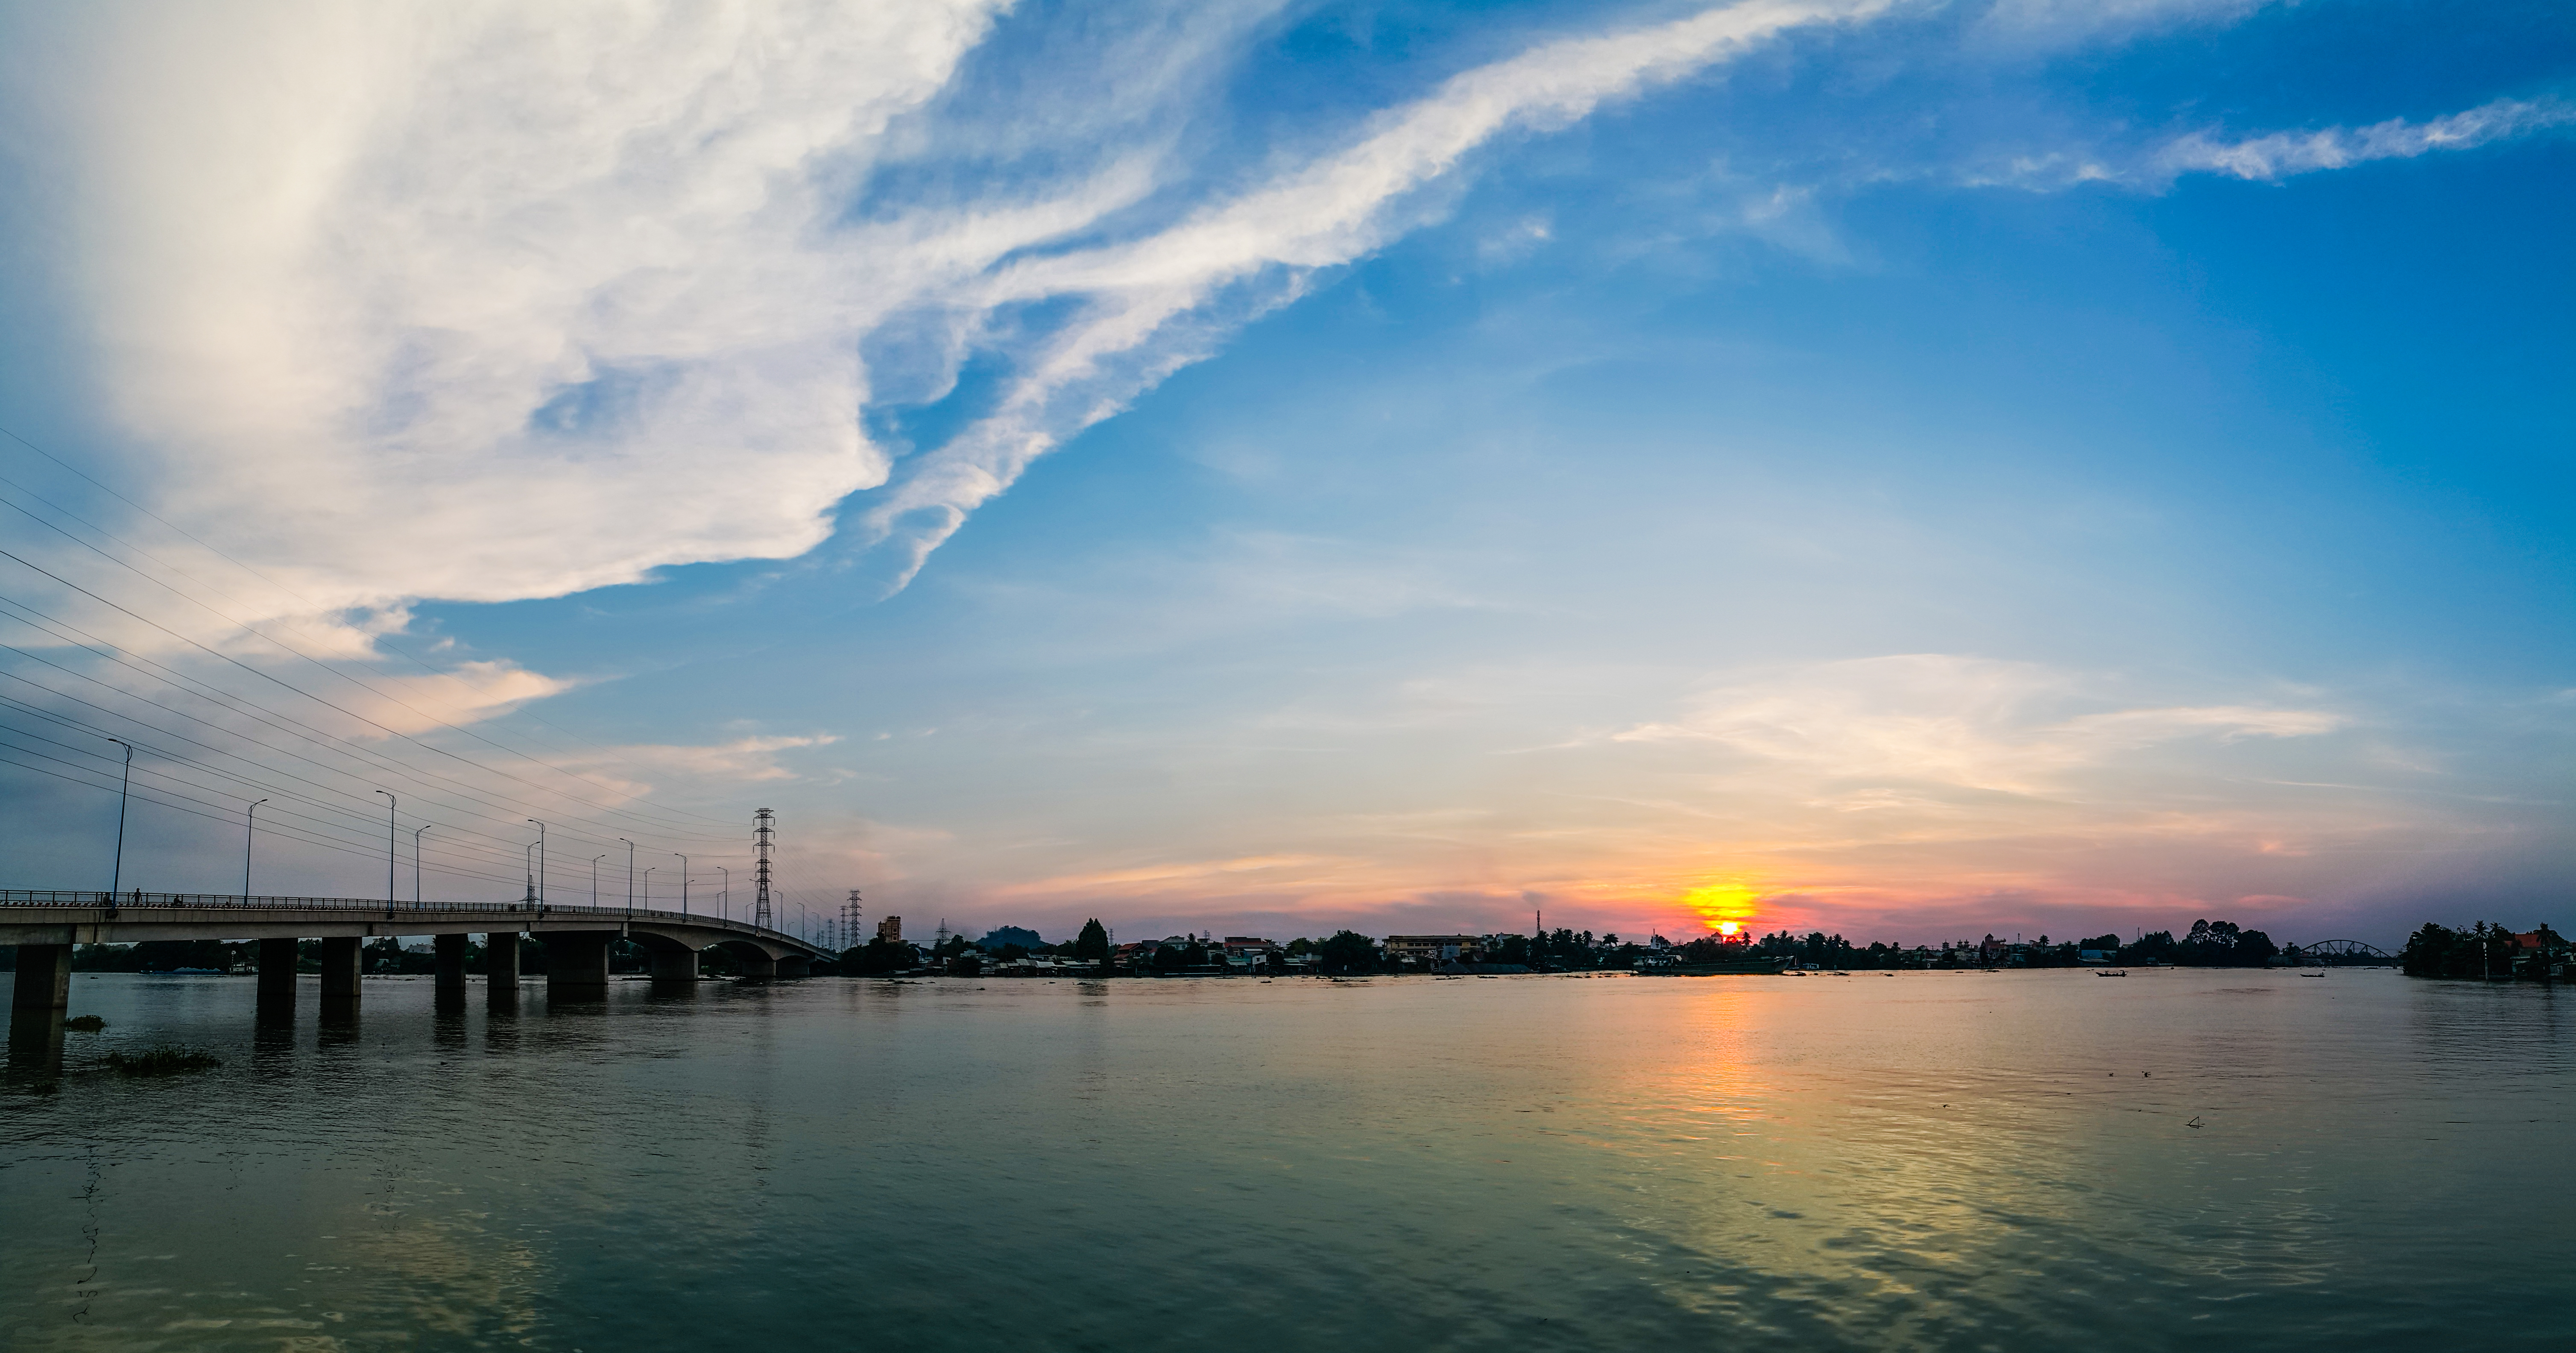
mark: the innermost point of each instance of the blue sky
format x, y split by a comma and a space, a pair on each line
1909, 469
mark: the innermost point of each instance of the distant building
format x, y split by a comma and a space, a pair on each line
1433, 950
890, 930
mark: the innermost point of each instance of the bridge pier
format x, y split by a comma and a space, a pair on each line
675, 965
449, 956
36, 1041
794, 965
340, 970
277, 974
753, 962
501, 970
577, 964
44, 980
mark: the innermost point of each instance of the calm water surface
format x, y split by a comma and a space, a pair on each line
1932, 1160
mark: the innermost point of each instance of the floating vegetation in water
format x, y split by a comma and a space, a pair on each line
164, 1059
85, 1024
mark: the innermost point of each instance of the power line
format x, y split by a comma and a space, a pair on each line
373, 762
380, 640
377, 762
452, 809
364, 822
147, 796
327, 704
499, 852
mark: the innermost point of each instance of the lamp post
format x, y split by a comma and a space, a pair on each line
541, 864
390, 804
249, 821
415, 863
124, 790
648, 885
594, 881
724, 902
528, 861
630, 876
684, 883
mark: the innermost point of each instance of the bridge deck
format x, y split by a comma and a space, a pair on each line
61, 917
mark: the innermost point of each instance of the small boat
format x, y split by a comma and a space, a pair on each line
2106, 972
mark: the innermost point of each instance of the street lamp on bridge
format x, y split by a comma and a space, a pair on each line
684, 883
415, 865
648, 885
250, 820
724, 902
391, 803
541, 864
124, 790
630, 876
594, 880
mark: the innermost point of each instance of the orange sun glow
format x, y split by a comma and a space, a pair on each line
1725, 907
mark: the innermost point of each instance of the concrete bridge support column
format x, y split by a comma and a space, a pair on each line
577, 964
449, 956
675, 965
340, 970
36, 1041
794, 965
754, 963
501, 970
44, 978
277, 974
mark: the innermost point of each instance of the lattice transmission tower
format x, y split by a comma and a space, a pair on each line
850, 921
762, 835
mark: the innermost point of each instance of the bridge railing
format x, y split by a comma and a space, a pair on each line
138, 899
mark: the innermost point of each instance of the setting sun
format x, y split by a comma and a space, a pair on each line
1723, 906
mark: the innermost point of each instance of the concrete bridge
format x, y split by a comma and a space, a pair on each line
45, 925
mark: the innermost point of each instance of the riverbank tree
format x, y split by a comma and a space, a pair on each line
880, 956
1348, 953
2483, 949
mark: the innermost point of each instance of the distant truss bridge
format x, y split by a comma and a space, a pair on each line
2343, 951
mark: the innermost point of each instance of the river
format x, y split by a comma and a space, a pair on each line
2037, 1160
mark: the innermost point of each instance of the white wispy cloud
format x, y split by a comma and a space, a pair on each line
2058, 21
2278, 155
745, 760
1158, 302
477, 302
2283, 154
1944, 719
481, 302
